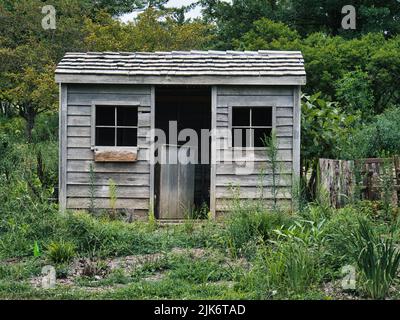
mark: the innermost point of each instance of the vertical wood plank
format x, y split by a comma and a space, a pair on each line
62, 182
214, 93
152, 128
296, 130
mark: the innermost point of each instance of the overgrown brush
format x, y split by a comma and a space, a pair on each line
377, 258
61, 251
250, 222
289, 269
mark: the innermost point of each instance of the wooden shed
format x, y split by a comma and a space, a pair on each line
112, 102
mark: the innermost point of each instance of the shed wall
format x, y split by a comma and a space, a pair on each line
132, 179
228, 176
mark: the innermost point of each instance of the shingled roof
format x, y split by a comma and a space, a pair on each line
165, 65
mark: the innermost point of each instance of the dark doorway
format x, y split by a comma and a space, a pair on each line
190, 107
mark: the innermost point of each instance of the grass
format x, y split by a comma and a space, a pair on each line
252, 253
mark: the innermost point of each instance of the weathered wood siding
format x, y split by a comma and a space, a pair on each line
132, 179
230, 174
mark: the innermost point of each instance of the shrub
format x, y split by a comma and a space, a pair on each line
250, 222
61, 251
378, 259
289, 269
301, 267
372, 140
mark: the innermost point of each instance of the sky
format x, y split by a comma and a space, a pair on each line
172, 3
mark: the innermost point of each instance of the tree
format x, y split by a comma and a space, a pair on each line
32, 94
384, 70
324, 133
29, 54
305, 16
268, 35
354, 92
379, 138
154, 30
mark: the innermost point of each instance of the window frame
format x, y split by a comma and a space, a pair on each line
114, 104
250, 106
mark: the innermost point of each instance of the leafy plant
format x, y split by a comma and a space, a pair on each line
377, 258
152, 223
271, 150
92, 190
112, 187
61, 251
325, 130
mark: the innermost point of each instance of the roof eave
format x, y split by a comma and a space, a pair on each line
180, 80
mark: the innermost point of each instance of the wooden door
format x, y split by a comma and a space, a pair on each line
175, 184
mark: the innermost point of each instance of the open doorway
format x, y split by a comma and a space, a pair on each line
190, 107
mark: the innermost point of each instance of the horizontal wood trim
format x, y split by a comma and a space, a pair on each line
79, 142
79, 121
254, 91
84, 166
283, 143
74, 110
251, 193
250, 155
238, 169
282, 180
256, 101
101, 203
123, 192
183, 80
86, 110
225, 206
88, 98
284, 121
109, 89
79, 132
284, 112
284, 131
103, 179
144, 119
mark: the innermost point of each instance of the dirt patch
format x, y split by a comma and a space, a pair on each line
334, 290
99, 269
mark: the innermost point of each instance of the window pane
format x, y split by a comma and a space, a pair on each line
127, 116
240, 116
105, 137
259, 136
126, 137
241, 138
262, 117
105, 116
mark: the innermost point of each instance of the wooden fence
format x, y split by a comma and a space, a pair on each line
369, 179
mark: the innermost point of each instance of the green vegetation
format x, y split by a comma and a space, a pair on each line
252, 253
61, 251
350, 110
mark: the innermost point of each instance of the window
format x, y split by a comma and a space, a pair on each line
116, 126
250, 125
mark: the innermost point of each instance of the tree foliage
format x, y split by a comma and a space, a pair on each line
153, 31
235, 18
